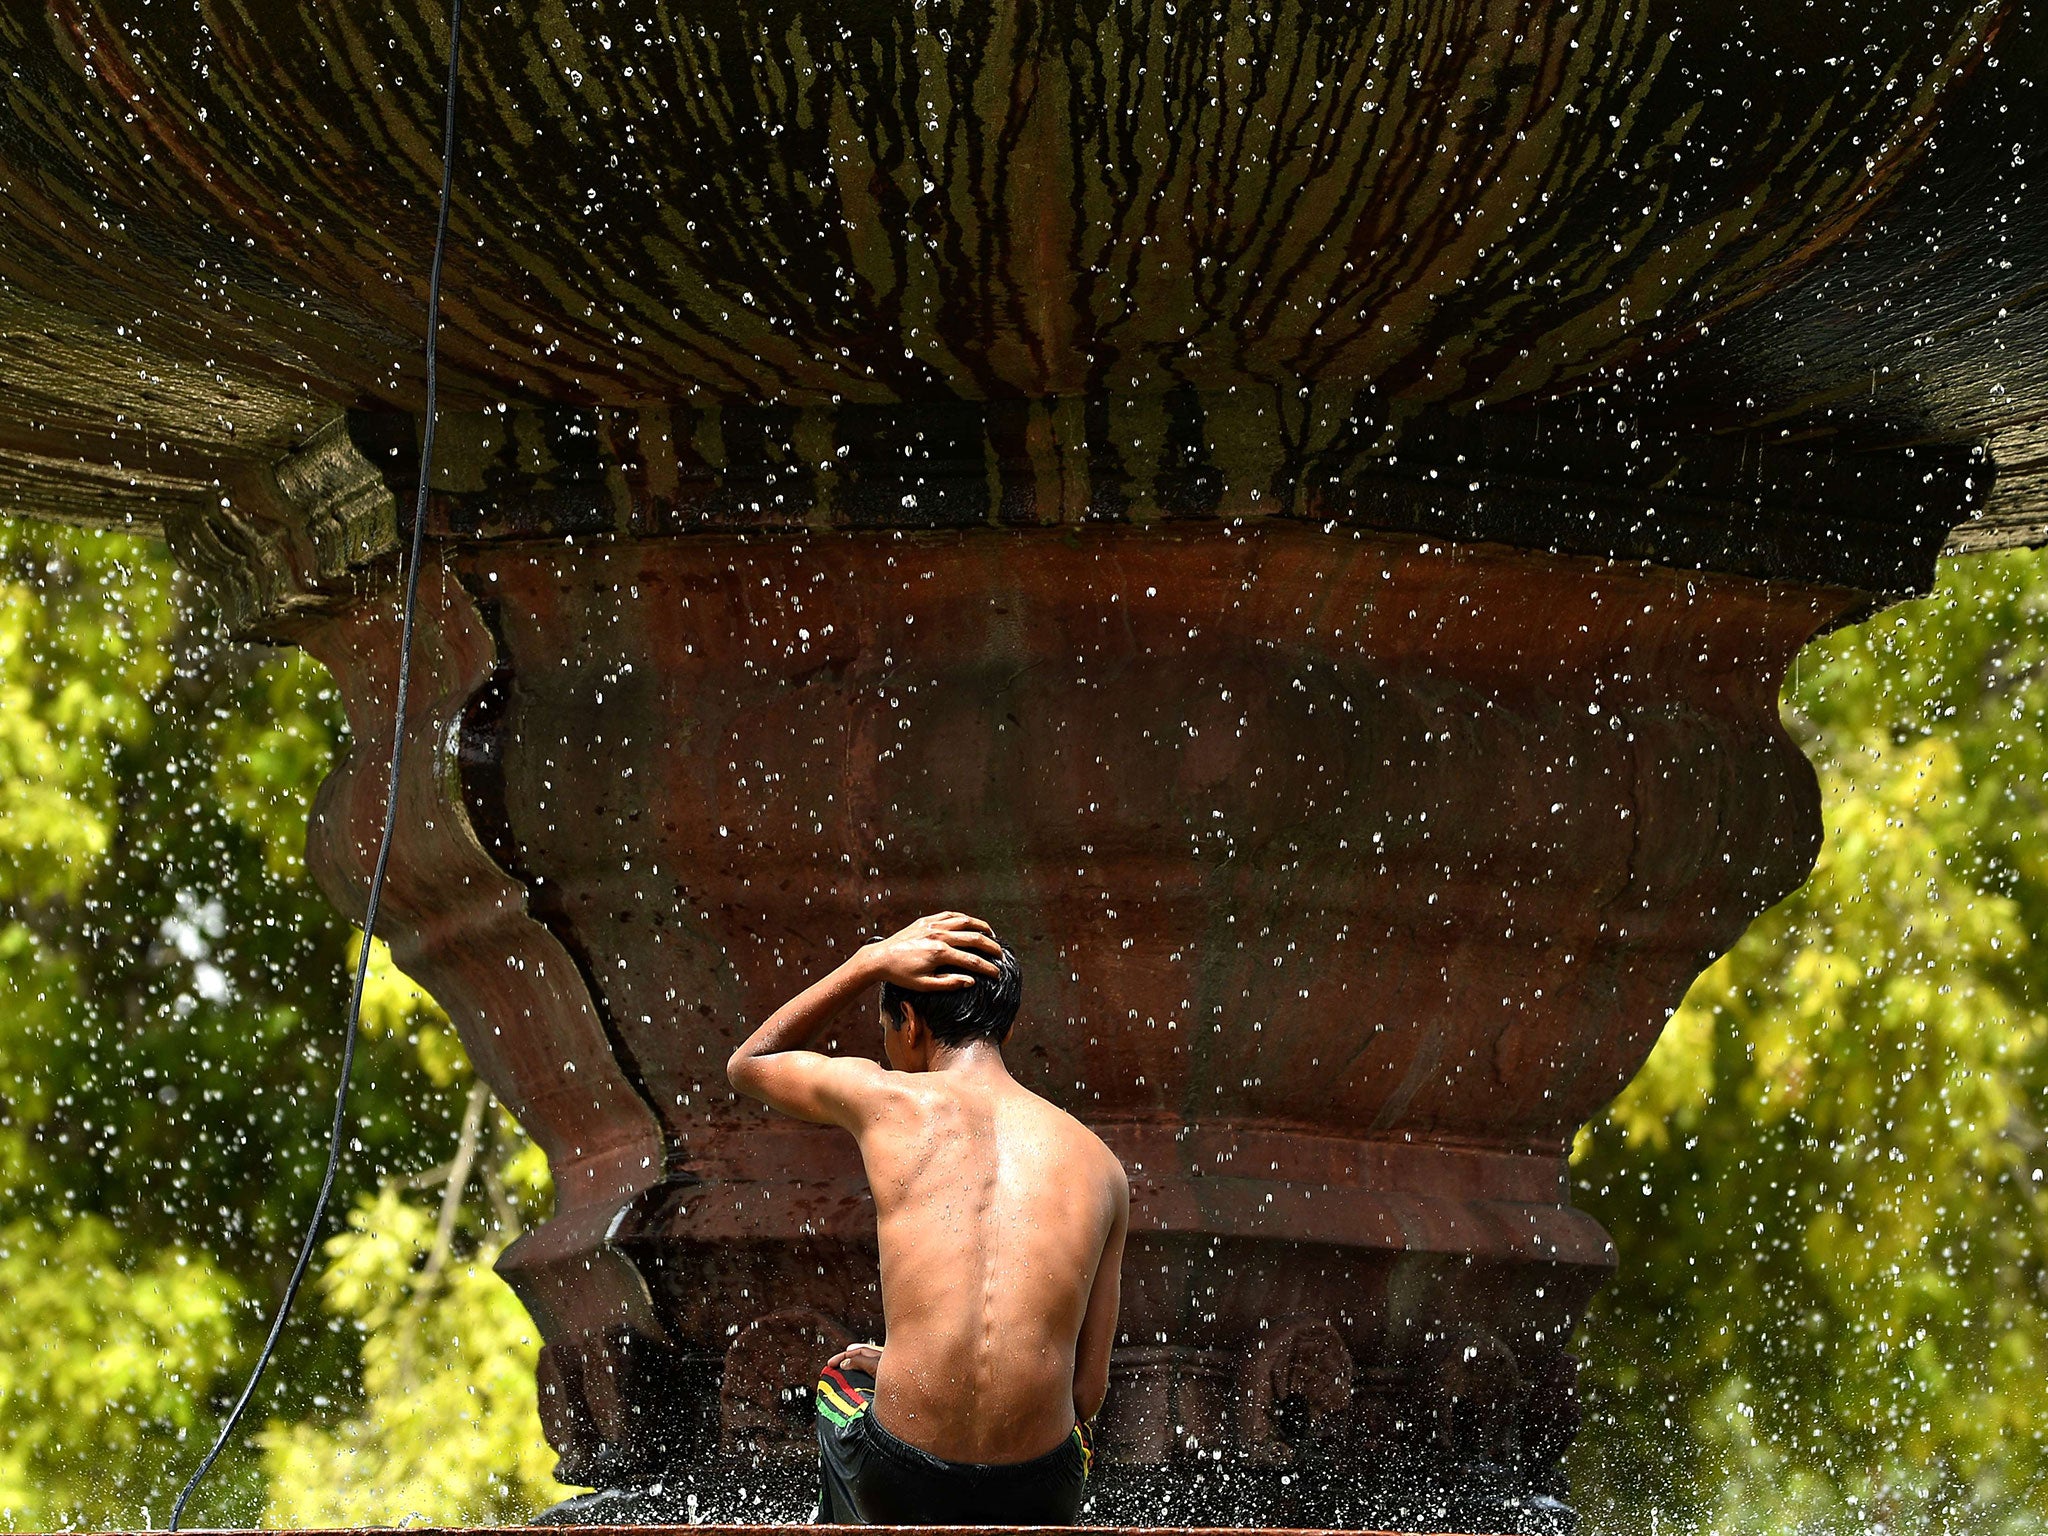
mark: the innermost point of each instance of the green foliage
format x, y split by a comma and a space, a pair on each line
104, 1362
445, 1432
171, 996
72, 693
1827, 1185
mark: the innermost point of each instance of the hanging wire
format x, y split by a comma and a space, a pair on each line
352, 1027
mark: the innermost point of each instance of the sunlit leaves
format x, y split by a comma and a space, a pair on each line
171, 993
80, 651
1827, 1182
396, 1006
448, 1432
270, 752
105, 1366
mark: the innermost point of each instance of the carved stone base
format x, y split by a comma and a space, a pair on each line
1350, 876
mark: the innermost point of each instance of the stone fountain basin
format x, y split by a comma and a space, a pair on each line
1162, 255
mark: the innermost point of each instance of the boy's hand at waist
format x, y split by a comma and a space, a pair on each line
859, 1357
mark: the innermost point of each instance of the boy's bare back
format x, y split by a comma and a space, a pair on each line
1001, 1218
994, 1210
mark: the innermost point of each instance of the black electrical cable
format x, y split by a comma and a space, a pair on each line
352, 1026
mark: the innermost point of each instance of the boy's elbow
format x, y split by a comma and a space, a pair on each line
1088, 1400
1091, 1389
739, 1072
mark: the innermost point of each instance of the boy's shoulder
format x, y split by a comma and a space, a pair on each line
1079, 1137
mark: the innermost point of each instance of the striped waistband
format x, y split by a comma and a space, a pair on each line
841, 1400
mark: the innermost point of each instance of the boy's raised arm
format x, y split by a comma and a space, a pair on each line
773, 1066
933, 954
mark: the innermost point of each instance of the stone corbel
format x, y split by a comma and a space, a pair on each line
460, 925
284, 543
1166, 1401
765, 1395
1474, 1392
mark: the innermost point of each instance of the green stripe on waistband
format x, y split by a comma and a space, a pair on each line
832, 1403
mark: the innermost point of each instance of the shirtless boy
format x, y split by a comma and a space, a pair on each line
1001, 1222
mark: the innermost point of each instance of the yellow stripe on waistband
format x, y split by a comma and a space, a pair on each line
838, 1399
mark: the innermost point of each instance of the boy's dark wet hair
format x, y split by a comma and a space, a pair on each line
984, 1011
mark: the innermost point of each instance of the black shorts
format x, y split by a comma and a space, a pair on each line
872, 1478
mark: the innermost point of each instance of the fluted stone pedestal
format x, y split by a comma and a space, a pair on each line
1349, 873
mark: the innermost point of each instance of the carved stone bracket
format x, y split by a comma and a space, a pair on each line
343, 503
1297, 1389
770, 1373
287, 542
1166, 1402
461, 926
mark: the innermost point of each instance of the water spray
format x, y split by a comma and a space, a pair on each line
351, 1028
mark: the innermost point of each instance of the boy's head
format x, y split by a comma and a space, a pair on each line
956, 1016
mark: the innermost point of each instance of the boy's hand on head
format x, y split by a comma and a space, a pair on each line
937, 954
940, 953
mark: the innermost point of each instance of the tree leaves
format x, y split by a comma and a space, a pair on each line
105, 1362
1826, 1183
171, 996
